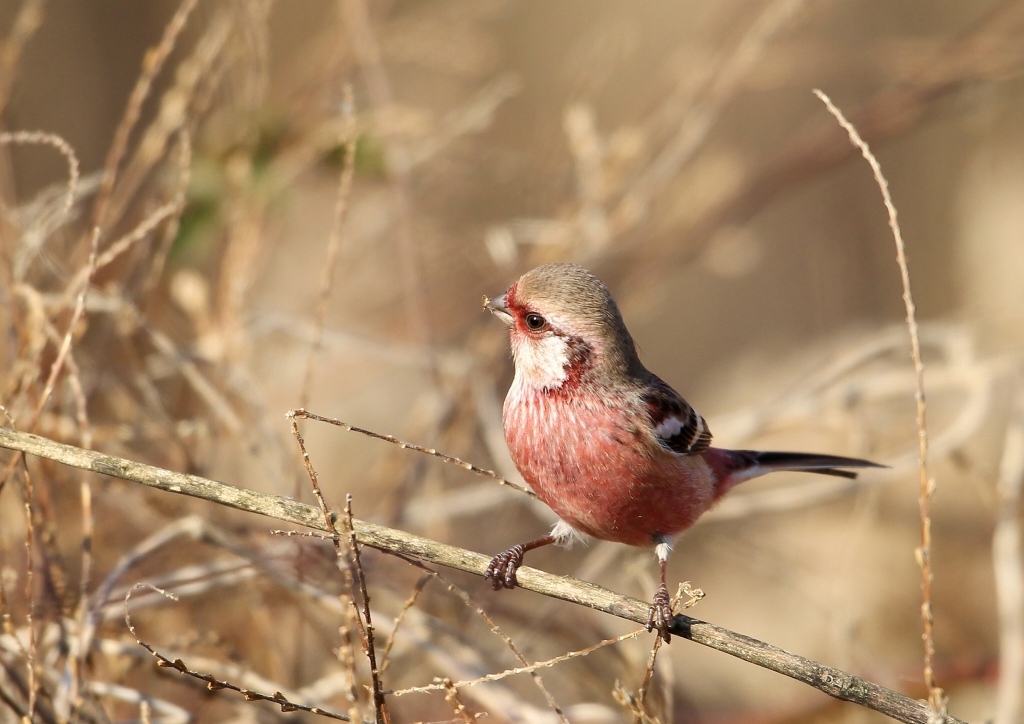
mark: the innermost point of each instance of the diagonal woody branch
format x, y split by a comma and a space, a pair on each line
831, 681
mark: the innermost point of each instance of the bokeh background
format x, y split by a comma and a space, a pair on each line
676, 149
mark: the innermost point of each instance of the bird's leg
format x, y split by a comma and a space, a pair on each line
659, 618
503, 567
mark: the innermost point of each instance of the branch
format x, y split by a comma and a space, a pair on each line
833, 682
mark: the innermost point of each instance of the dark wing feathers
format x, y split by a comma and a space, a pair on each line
678, 427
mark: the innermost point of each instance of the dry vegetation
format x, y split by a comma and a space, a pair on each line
301, 204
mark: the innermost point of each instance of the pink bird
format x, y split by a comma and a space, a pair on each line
614, 451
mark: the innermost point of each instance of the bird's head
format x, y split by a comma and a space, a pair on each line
564, 327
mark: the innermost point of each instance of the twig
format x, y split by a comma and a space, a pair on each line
469, 603
152, 62
83, 287
212, 683
529, 669
356, 566
379, 707
625, 697
695, 595
927, 484
833, 682
340, 554
409, 603
64, 349
305, 414
455, 701
30, 529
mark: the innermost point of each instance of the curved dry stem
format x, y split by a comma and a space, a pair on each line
927, 485
831, 681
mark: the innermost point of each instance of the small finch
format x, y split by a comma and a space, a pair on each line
614, 451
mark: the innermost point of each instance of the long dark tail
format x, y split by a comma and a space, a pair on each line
804, 462
735, 466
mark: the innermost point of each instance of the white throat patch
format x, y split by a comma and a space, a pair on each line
541, 363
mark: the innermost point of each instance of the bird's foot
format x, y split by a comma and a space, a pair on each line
660, 616
502, 569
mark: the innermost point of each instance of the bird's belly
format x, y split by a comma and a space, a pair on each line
595, 468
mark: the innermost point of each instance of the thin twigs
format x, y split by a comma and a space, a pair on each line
212, 683
455, 701
927, 484
152, 62
355, 566
409, 603
65, 348
379, 707
469, 603
30, 553
305, 414
529, 669
695, 595
831, 681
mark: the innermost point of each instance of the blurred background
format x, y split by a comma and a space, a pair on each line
303, 203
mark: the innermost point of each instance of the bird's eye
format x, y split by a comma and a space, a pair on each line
534, 322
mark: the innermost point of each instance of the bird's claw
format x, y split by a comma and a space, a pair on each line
502, 569
660, 616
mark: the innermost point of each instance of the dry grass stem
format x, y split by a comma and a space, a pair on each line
305, 414
50, 139
455, 701
831, 681
30, 593
923, 553
151, 65
153, 311
528, 669
695, 595
385, 661
470, 604
214, 684
358, 577
379, 705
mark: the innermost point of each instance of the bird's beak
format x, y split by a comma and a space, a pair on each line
497, 307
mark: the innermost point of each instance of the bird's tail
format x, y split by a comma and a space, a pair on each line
735, 466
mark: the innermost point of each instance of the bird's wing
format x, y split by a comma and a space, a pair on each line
677, 426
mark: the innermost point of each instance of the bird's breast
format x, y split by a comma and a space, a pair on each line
593, 461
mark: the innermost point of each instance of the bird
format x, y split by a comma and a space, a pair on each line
610, 447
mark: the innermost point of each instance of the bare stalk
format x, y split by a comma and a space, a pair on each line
923, 553
831, 681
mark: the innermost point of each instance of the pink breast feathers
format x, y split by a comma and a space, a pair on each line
592, 465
